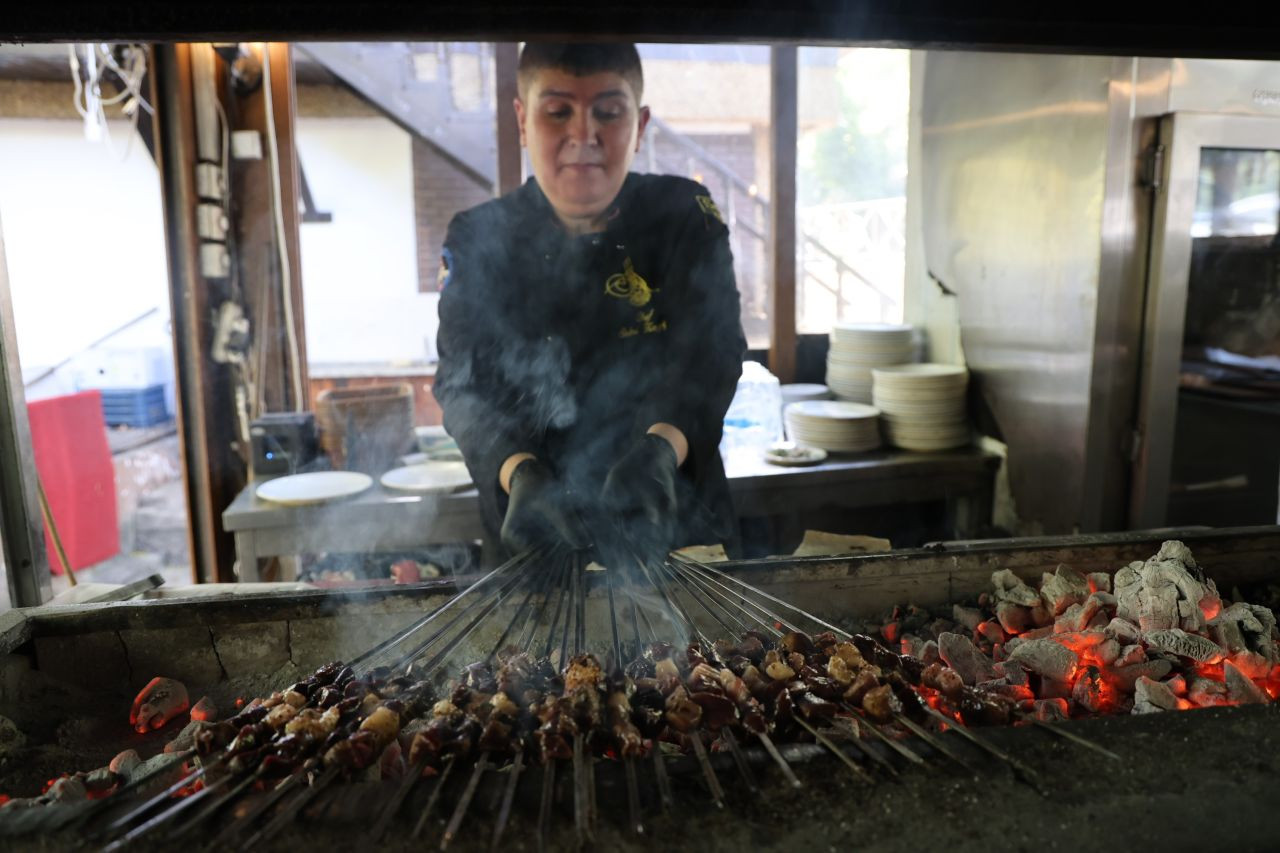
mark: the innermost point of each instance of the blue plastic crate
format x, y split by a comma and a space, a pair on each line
135, 407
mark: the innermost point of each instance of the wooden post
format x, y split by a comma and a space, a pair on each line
506, 57
255, 228
212, 473
783, 98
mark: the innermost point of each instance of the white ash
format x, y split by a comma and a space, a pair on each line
1062, 589
125, 763
1167, 591
68, 789
969, 617
1131, 654
1152, 696
1127, 676
1243, 626
1206, 692
1108, 651
1241, 689
965, 658
1099, 581
1124, 630
1046, 657
1013, 618
1182, 644
1011, 588
1012, 672
1252, 664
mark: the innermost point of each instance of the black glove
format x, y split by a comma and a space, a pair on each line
640, 497
538, 514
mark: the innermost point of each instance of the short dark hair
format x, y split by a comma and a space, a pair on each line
581, 59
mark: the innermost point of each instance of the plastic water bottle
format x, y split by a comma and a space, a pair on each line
754, 419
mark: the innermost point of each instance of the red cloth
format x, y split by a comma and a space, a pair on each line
69, 439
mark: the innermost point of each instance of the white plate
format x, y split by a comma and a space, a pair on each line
428, 477
792, 454
316, 487
832, 410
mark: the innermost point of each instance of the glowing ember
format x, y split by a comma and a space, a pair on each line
158, 703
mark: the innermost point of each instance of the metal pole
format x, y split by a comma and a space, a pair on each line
25, 561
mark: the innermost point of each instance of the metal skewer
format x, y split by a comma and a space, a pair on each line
935, 742
166, 815
464, 802
449, 764
290, 809
834, 750
508, 797
1076, 739
1021, 770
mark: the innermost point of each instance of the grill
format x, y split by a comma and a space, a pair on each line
554, 606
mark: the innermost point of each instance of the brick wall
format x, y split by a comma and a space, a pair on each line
439, 191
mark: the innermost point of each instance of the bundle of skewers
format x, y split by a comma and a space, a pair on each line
552, 698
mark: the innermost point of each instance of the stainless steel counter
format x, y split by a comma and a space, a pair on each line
380, 520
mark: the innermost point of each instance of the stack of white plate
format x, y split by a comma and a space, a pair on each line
857, 348
834, 425
923, 405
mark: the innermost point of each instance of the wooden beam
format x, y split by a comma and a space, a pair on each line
22, 548
258, 259
510, 161
782, 226
206, 420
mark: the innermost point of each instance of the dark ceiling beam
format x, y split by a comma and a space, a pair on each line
1224, 30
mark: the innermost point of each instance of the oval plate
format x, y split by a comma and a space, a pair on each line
316, 487
786, 453
430, 476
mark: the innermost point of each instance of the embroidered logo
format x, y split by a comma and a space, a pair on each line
629, 285
709, 207
645, 324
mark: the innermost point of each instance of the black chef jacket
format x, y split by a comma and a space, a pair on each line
571, 347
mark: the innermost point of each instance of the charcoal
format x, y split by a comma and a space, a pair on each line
1047, 658
1246, 626
929, 653
1051, 709
1108, 651
1037, 633
1126, 676
1053, 689
125, 763
1124, 630
1241, 689
1062, 589
1099, 581
963, 656
1206, 692
1011, 588
1152, 696
969, 617
1087, 692
1252, 664
101, 780
1130, 655
1014, 618
1012, 672
1100, 620
186, 738
1072, 620
1177, 683
991, 632
68, 789
11, 737
1040, 615
1180, 643
912, 644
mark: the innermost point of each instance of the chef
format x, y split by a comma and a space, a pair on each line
590, 339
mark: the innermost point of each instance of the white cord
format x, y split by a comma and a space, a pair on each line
88, 99
295, 372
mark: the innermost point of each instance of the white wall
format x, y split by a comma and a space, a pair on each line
84, 238
360, 271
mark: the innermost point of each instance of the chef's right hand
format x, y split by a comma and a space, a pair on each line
538, 514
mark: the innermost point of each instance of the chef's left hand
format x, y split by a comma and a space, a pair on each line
640, 497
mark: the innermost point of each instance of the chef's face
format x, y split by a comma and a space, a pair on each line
582, 133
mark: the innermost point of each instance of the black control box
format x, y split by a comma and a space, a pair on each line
283, 442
